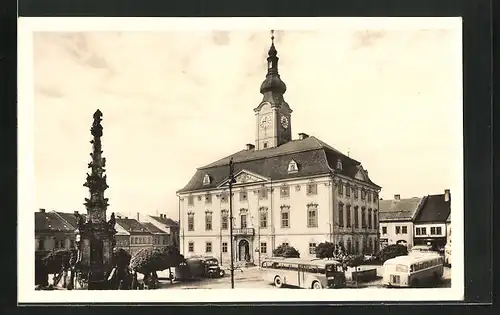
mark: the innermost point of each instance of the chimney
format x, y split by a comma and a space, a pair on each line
137, 216
446, 195
76, 212
250, 146
42, 210
303, 136
397, 197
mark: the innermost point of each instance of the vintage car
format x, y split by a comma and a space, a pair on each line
199, 267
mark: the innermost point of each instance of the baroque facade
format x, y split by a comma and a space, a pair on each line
299, 192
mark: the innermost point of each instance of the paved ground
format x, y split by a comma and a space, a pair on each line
249, 278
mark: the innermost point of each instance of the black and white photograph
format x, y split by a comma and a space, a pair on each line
271, 156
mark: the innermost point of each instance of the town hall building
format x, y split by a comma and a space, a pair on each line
299, 192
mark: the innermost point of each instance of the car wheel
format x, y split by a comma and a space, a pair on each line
277, 282
317, 285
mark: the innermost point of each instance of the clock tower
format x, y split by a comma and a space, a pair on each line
273, 115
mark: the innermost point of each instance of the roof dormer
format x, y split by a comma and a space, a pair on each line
206, 180
293, 167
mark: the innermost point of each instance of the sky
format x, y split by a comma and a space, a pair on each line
173, 101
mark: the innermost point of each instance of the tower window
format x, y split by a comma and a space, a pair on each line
265, 145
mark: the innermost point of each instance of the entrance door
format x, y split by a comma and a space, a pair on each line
243, 250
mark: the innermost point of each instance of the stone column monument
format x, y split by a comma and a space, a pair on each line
96, 236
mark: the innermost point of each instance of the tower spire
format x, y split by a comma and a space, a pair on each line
272, 83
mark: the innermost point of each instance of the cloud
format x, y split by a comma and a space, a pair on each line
366, 38
49, 92
221, 38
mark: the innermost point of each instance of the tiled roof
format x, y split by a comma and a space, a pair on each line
132, 226
51, 222
313, 156
70, 217
433, 209
152, 228
166, 221
398, 210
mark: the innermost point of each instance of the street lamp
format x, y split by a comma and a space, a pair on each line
231, 181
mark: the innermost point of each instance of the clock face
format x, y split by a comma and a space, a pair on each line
265, 122
284, 122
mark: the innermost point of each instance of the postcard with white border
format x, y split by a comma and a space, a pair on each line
240, 159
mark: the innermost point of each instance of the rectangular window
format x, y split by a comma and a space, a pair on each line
363, 218
208, 247
369, 218
190, 200
263, 220
404, 229
417, 231
243, 221
208, 222
285, 191
341, 189
243, 196
263, 248
384, 230
356, 217
312, 189
355, 193
312, 248
263, 193
224, 220
341, 215
191, 222
438, 230
348, 216
363, 193
398, 230
424, 231
223, 197
208, 198
224, 247
190, 247
285, 219
348, 190
375, 219
312, 218
369, 196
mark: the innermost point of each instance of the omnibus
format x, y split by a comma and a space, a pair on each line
412, 270
308, 274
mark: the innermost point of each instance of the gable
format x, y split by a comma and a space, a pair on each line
361, 174
245, 177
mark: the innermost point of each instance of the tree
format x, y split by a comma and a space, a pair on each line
58, 260
325, 250
391, 251
286, 251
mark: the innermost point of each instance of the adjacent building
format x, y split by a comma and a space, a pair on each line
430, 221
160, 237
52, 232
122, 238
169, 226
299, 192
396, 220
139, 235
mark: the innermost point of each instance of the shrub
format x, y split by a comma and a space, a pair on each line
149, 260
354, 260
54, 261
325, 250
286, 251
391, 251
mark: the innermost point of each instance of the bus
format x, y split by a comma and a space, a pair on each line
307, 274
412, 270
